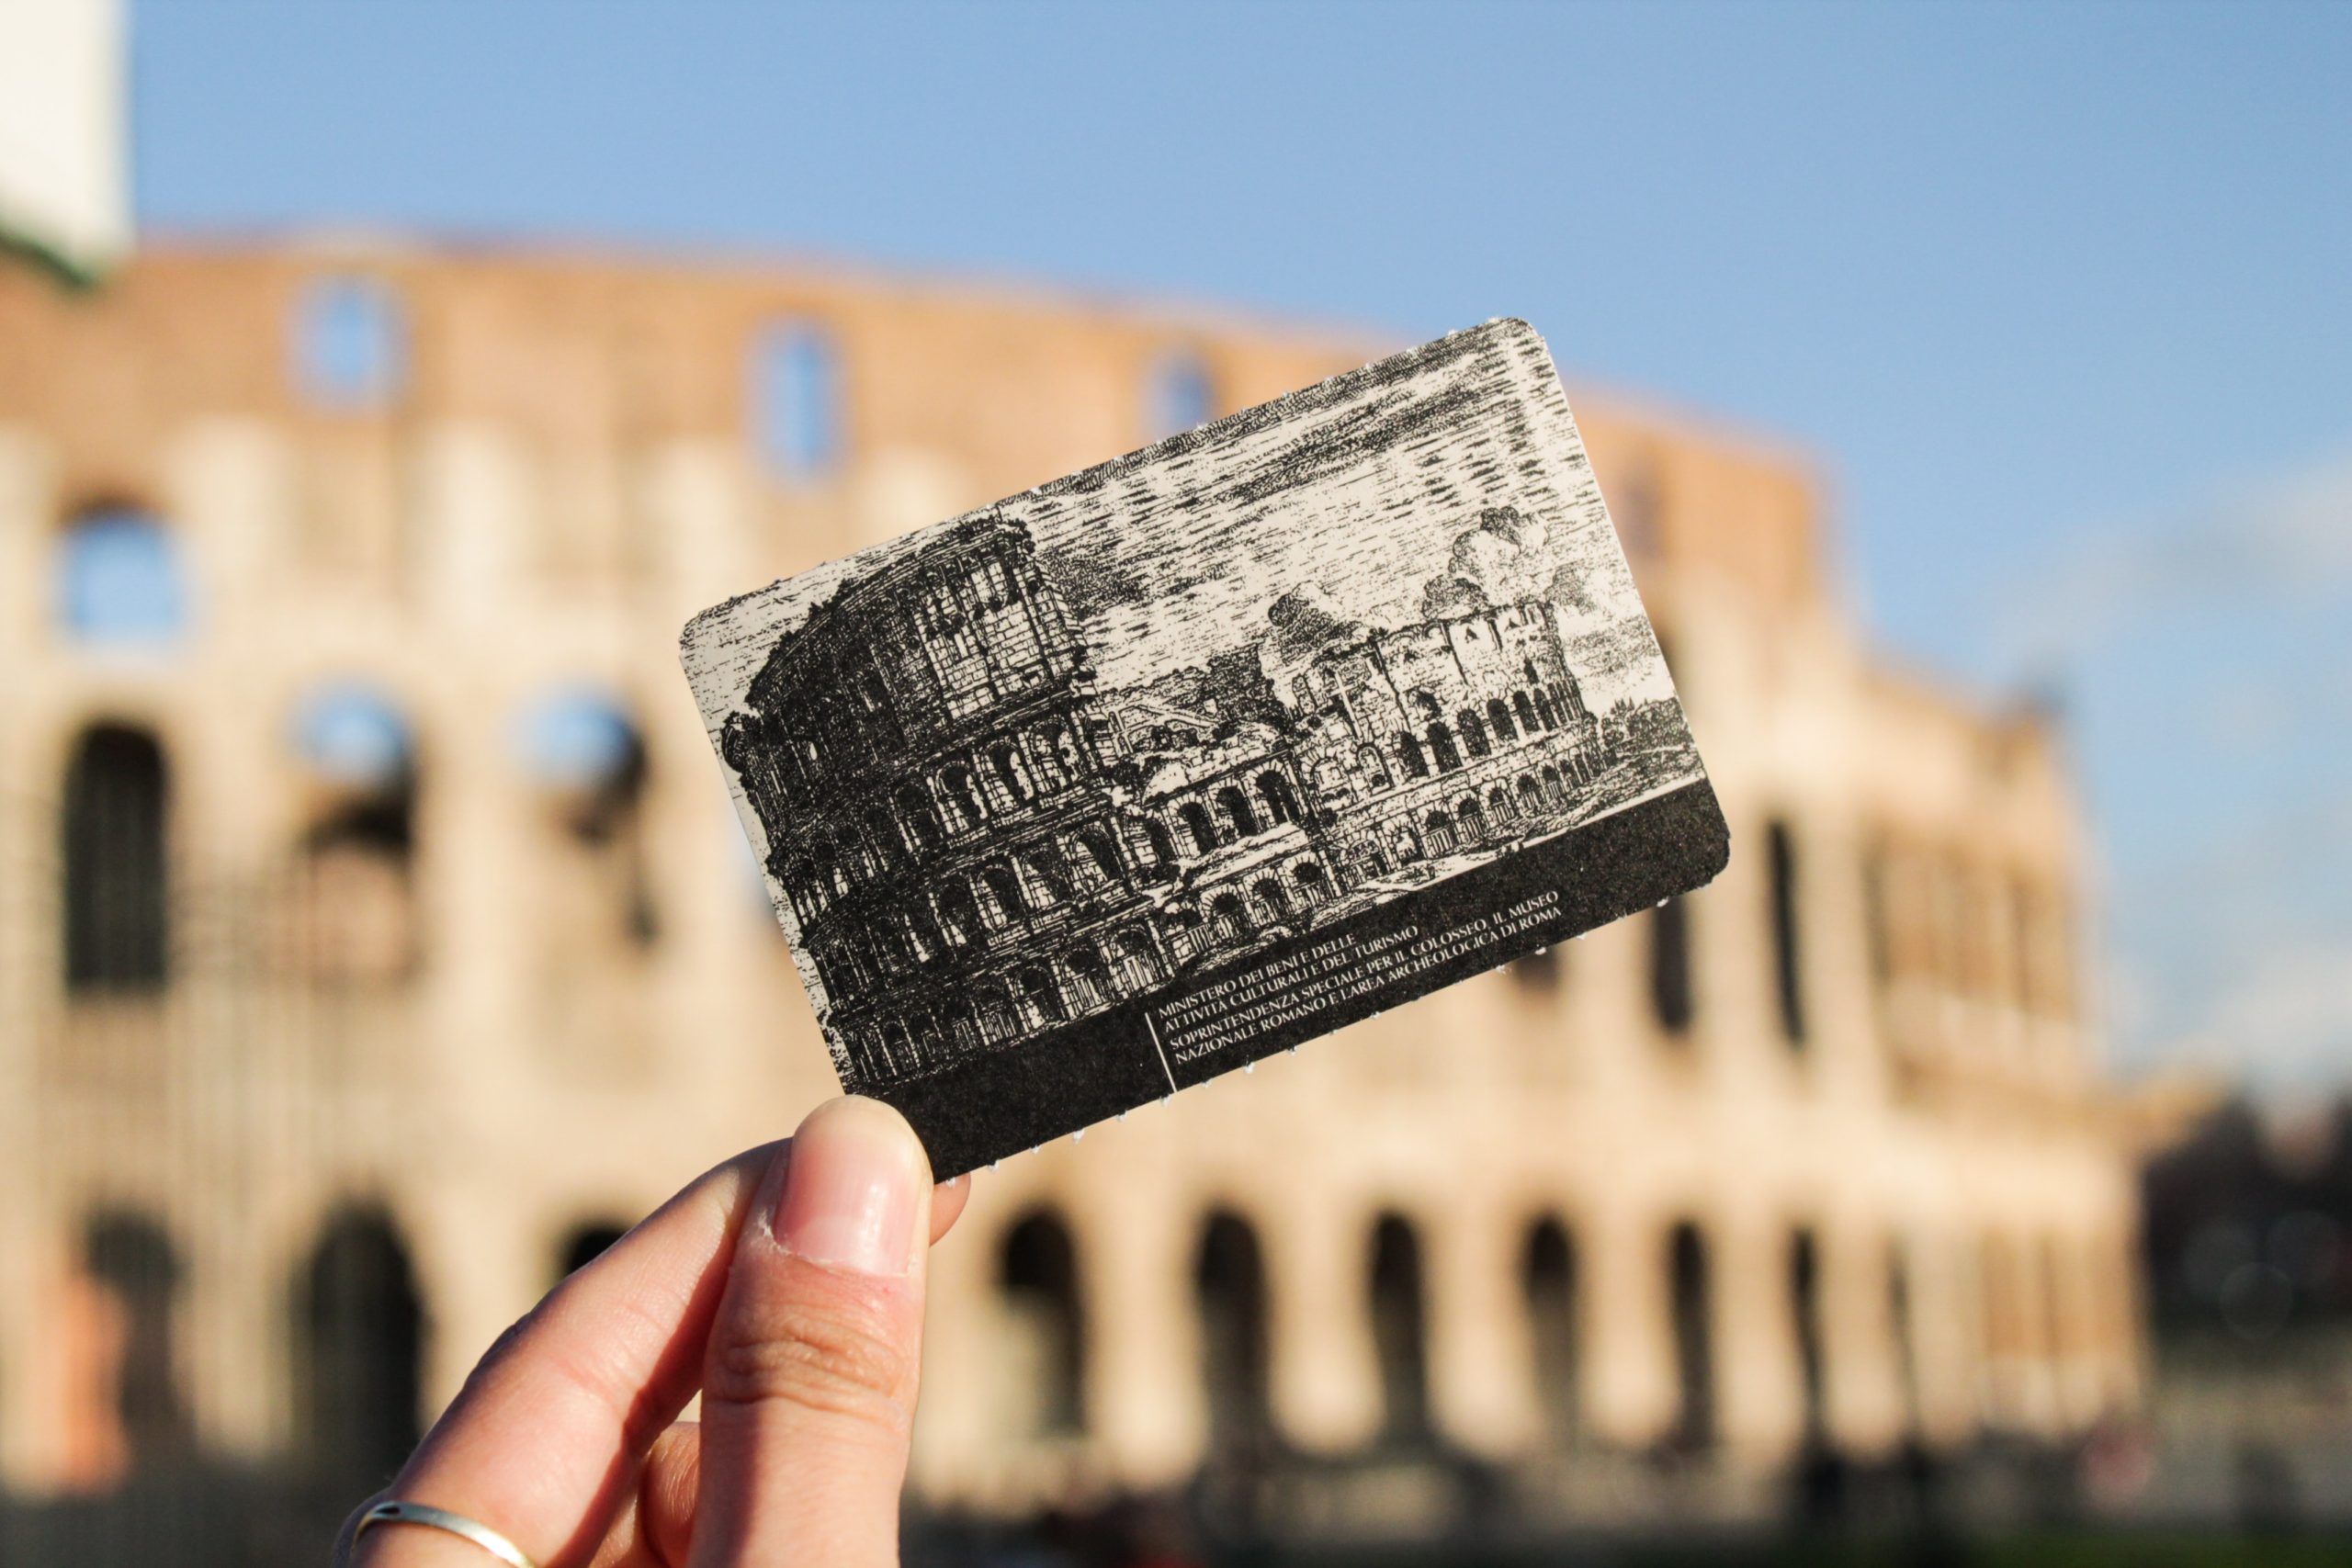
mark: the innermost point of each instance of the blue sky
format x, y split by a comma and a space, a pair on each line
2061, 294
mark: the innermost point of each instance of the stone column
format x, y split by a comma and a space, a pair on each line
1481, 1369
1142, 1394
1324, 1371
1628, 1374
1758, 1378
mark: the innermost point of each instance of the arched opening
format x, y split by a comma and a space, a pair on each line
1197, 827
1688, 1293
1012, 772
1437, 832
1398, 1331
1531, 796
1043, 1358
1408, 752
1089, 978
1229, 1288
1227, 919
1548, 1284
1670, 998
1787, 957
118, 581
350, 343
795, 400
131, 1259
1101, 853
1234, 807
1272, 898
584, 1243
1313, 887
1804, 1318
1442, 747
1474, 732
355, 913
1041, 1000
1469, 821
1004, 892
1282, 803
1178, 395
1526, 711
359, 1332
1499, 720
588, 759
962, 793
921, 827
117, 863
1155, 839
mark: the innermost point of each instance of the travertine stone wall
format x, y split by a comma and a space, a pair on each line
565, 473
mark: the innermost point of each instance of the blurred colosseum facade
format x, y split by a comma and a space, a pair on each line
375, 937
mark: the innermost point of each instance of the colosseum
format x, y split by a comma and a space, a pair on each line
375, 939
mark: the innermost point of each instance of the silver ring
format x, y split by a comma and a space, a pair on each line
398, 1513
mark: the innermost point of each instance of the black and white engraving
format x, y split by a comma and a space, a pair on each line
1205, 750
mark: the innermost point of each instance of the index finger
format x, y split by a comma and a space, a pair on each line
545, 1441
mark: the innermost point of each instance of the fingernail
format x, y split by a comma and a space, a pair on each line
850, 1192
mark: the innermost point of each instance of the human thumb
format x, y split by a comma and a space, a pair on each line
808, 1385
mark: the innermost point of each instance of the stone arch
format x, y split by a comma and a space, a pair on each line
1133, 963
1003, 890
1437, 832
1012, 768
1230, 917
1234, 807
1555, 788
959, 791
117, 578
1045, 1357
1408, 752
993, 1015
117, 861
1498, 807
1102, 853
131, 1257
1038, 997
1396, 1297
1549, 1289
1155, 839
1272, 898
359, 1336
1544, 710
1531, 796
1474, 732
1088, 982
1443, 750
1690, 1306
1313, 885
1499, 720
1373, 768
1526, 711
1229, 1293
1282, 802
1197, 826
1470, 819
918, 819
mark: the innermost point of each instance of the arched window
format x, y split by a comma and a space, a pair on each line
1043, 1360
1197, 826
1499, 720
1787, 957
1155, 837
1442, 747
1804, 1318
1531, 796
1234, 807
1474, 733
1670, 997
1689, 1294
923, 829
1408, 751
795, 400
358, 1333
1313, 887
134, 1261
1090, 978
1229, 1290
1004, 890
1041, 1000
355, 910
1282, 804
962, 916
961, 793
117, 935
1548, 715
119, 580
1469, 821
1499, 805
1229, 919
1399, 1333
1180, 395
586, 756
1099, 851
1438, 833
1272, 898
350, 343
1548, 1283
1012, 772
1526, 711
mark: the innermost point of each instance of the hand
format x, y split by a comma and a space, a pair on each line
787, 1287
